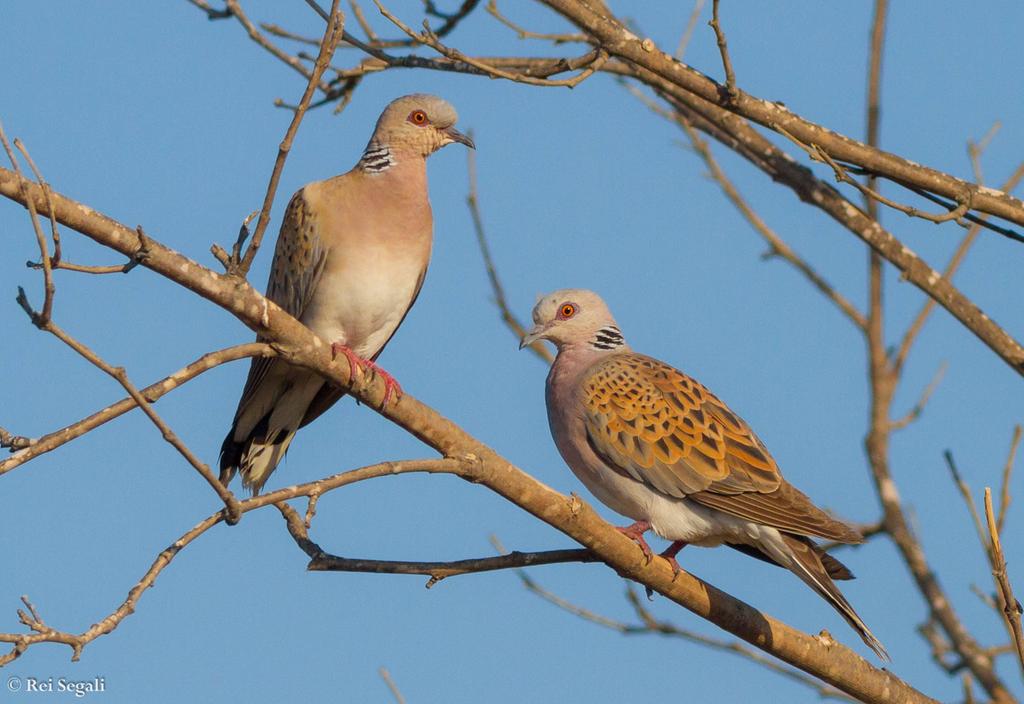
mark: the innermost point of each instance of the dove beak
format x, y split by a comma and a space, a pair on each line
533, 335
456, 136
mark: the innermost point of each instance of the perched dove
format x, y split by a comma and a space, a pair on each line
654, 445
349, 264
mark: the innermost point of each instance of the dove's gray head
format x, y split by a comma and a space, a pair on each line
574, 316
418, 124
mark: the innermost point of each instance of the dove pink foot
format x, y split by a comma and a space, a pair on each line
670, 553
391, 386
635, 533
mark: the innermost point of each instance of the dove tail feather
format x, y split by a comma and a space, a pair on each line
834, 568
807, 565
255, 457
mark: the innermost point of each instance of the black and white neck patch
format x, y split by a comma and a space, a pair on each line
607, 338
376, 159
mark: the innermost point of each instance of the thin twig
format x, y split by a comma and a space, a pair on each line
976, 149
597, 58
38, 319
279, 31
817, 153
1011, 607
523, 33
211, 13
119, 374
357, 11
28, 448
777, 246
321, 561
730, 78
442, 570
1004, 492
914, 413
395, 692
965, 492
55, 260
41, 633
332, 35
87, 268
913, 330
507, 316
691, 24
650, 626
874, 331
979, 220
235, 10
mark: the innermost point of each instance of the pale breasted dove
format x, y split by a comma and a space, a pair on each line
349, 263
655, 445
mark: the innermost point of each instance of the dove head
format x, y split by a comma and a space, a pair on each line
574, 317
418, 125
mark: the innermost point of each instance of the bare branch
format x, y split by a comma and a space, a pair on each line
751, 145
27, 449
392, 687
818, 154
914, 329
38, 319
87, 269
778, 246
611, 34
594, 59
492, 8
332, 35
729, 93
321, 561
507, 316
1011, 607
441, 570
691, 24
41, 633
211, 14
965, 492
357, 10
234, 9
914, 413
119, 374
55, 260
1004, 493
650, 626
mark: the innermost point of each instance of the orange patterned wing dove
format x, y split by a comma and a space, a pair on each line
651, 422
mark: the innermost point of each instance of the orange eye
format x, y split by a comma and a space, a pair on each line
418, 117
566, 311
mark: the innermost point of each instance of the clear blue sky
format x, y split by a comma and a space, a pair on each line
155, 116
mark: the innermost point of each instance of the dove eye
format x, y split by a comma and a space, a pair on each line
566, 311
418, 117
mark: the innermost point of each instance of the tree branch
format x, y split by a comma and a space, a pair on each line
321, 561
121, 376
748, 143
239, 263
610, 33
1011, 607
507, 316
31, 448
